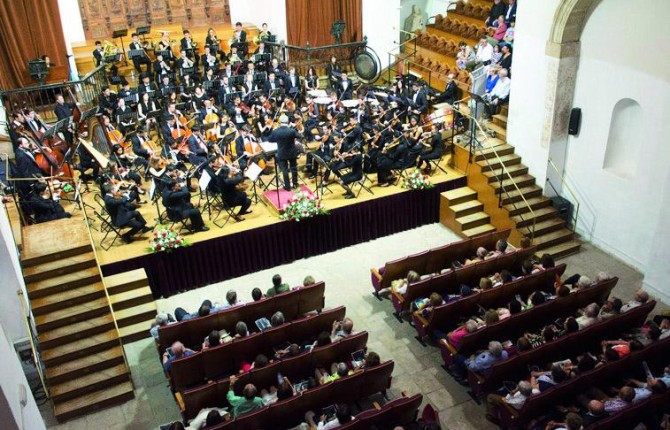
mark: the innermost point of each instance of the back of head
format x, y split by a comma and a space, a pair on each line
547, 261
372, 359
241, 328
485, 283
323, 339
177, 349
471, 326
537, 298
256, 294
571, 325
592, 310
642, 296
276, 280
583, 282
309, 280
525, 388
260, 361
527, 267
213, 418
523, 344
277, 319
214, 338
203, 311
627, 394
177, 425
563, 291
342, 369
435, 299
162, 319
558, 374
348, 325
491, 316
573, 421
596, 407
514, 306
495, 348
501, 245
231, 297
342, 413
506, 276
249, 391
481, 252
412, 276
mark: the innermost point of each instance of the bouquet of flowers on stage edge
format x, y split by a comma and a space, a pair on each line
302, 206
415, 181
166, 239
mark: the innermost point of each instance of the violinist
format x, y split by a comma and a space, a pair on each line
177, 201
124, 116
240, 146
107, 100
392, 157
325, 152
121, 171
135, 44
123, 213
238, 112
434, 150
189, 46
414, 146
197, 147
63, 110
335, 105
145, 106
227, 182
312, 118
157, 171
43, 206
142, 146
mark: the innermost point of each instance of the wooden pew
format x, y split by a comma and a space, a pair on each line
632, 415
398, 412
295, 368
538, 404
537, 316
292, 303
516, 367
223, 360
449, 314
449, 283
433, 260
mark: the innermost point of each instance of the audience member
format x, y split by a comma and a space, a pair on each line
277, 287
499, 95
162, 320
342, 328
248, 402
590, 316
641, 297
256, 294
479, 363
177, 350
277, 319
342, 416
515, 399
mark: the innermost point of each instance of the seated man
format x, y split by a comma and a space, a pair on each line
177, 350
124, 214
233, 197
246, 403
499, 96
342, 329
516, 400
43, 206
176, 201
277, 287
641, 297
480, 363
162, 320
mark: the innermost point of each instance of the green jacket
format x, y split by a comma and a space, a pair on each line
241, 405
280, 289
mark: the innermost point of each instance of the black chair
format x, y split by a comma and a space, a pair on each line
175, 218
364, 179
107, 227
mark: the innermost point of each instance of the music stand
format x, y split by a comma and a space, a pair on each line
228, 98
165, 91
320, 182
474, 113
60, 126
260, 77
121, 34
131, 98
141, 31
89, 113
254, 172
277, 93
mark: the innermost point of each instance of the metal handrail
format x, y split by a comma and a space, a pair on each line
570, 190
503, 170
87, 77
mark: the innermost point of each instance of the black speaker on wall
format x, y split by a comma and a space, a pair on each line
575, 121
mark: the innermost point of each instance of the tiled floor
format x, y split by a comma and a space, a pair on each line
347, 276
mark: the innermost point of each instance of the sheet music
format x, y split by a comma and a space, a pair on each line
268, 147
253, 171
204, 180
152, 189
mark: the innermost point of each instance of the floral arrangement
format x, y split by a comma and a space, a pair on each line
415, 181
166, 239
302, 205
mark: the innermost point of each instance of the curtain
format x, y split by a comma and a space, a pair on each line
311, 21
28, 30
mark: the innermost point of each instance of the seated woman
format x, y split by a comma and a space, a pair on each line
425, 305
545, 380
465, 55
455, 337
276, 394
400, 285
337, 371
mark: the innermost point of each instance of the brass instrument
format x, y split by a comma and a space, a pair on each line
108, 48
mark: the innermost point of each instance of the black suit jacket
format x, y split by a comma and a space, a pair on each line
120, 210
26, 165
98, 57
421, 102
268, 86
343, 94
177, 201
138, 149
285, 138
450, 93
141, 89
512, 13
227, 187
290, 88
496, 11
63, 111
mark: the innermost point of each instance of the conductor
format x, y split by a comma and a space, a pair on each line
287, 151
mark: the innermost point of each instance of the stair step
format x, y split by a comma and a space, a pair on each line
553, 238
563, 249
67, 298
547, 226
500, 120
107, 396
137, 331
476, 219
79, 348
73, 332
524, 219
520, 181
460, 195
476, 231
495, 164
136, 314
466, 208
501, 132
514, 170
535, 203
76, 313
56, 257
62, 283
84, 365
500, 149
126, 281
88, 383
128, 299
513, 195
60, 267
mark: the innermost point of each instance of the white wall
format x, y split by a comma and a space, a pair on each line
381, 23
73, 30
11, 377
11, 317
259, 11
627, 215
527, 100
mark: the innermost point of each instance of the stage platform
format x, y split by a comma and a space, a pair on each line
262, 240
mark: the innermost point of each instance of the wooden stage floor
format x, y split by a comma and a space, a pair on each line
262, 215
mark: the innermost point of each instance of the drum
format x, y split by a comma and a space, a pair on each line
321, 104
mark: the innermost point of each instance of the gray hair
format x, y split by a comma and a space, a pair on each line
583, 282
277, 319
592, 310
481, 252
162, 319
601, 276
471, 326
495, 348
525, 388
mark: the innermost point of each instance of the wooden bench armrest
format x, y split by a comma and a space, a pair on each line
376, 274
377, 406
180, 401
397, 295
447, 345
422, 320
513, 412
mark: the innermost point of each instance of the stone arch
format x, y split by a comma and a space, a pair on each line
569, 20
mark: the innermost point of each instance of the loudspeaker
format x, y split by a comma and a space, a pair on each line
575, 121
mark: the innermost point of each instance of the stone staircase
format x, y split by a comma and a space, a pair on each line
78, 342
463, 213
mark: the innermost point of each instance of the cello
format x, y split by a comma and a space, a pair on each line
77, 113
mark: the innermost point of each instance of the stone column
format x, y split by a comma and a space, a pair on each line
563, 61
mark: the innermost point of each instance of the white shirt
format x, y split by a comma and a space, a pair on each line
484, 53
501, 90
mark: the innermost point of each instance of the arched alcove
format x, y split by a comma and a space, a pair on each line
624, 139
